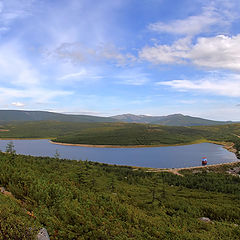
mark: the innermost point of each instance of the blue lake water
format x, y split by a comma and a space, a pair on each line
156, 157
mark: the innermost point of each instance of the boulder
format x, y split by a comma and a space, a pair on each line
43, 234
2, 189
205, 219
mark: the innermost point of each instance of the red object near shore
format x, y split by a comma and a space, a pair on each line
204, 161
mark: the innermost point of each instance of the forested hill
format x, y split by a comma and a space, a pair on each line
21, 115
170, 120
124, 134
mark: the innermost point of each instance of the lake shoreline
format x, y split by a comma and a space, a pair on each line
126, 146
226, 145
229, 146
176, 170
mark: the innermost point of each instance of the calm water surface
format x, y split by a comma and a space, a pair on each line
156, 157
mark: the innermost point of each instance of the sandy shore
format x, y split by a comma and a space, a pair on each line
123, 146
23, 138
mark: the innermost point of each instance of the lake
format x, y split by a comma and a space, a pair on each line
155, 157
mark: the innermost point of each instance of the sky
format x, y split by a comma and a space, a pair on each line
105, 57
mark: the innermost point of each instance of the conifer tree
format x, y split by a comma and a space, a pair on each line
10, 148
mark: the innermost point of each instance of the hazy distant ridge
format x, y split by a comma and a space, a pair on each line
170, 120
21, 115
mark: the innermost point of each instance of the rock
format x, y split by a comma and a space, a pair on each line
234, 171
43, 234
205, 219
196, 171
2, 189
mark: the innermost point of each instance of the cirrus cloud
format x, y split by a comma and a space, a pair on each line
226, 85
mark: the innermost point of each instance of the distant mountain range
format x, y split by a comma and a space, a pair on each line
21, 115
170, 120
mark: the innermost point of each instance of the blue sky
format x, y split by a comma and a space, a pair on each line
104, 57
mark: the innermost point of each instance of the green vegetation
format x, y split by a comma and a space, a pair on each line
86, 200
121, 133
10, 148
45, 129
133, 134
14, 222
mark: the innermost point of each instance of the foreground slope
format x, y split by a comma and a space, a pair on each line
85, 200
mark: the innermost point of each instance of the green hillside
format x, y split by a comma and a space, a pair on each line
86, 200
148, 134
119, 133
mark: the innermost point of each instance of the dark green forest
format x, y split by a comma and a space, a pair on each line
127, 134
88, 200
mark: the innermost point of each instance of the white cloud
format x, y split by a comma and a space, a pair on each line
18, 104
214, 16
191, 25
78, 53
82, 75
227, 85
220, 52
12, 10
19, 78
217, 52
73, 75
176, 53
15, 68
134, 81
33, 95
132, 77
